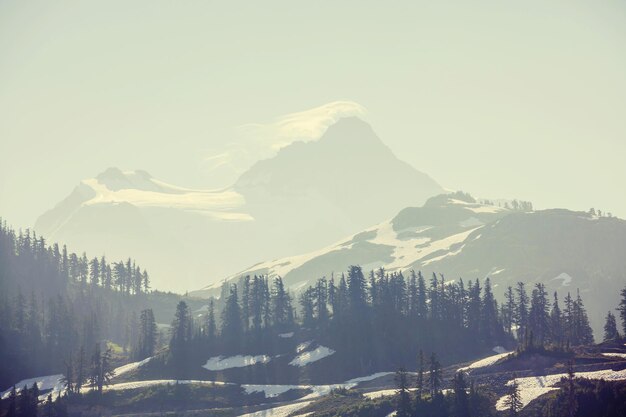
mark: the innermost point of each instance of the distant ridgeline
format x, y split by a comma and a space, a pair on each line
54, 302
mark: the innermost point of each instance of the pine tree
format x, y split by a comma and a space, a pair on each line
461, 400
181, 335
571, 405
610, 328
211, 326
12, 409
232, 328
146, 344
489, 317
521, 316
622, 310
24, 409
513, 401
403, 407
539, 314
582, 329
509, 308
556, 323
420, 377
434, 375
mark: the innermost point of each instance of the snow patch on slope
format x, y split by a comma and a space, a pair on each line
488, 361
282, 411
219, 363
533, 387
314, 355
130, 367
44, 383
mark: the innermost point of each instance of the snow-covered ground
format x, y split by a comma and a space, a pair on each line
130, 367
150, 383
488, 361
303, 346
44, 383
534, 386
282, 411
219, 363
615, 355
314, 355
316, 390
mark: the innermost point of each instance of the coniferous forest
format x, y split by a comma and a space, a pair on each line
69, 314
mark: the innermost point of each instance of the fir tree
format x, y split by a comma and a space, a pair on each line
610, 328
181, 335
513, 401
556, 323
434, 375
232, 328
403, 407
622, 309
461, 400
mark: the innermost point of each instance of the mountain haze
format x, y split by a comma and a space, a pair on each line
308, 195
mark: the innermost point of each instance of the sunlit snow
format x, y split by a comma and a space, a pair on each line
314, 355
534, 386
488, 361
219, 363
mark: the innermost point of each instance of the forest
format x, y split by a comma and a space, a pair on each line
68, 314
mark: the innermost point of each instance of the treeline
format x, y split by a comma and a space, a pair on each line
54, 303
427, 399
30, 262
380, 321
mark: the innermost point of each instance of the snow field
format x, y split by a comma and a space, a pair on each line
314, 355
219, 363
488, 361
130, 367
533, 387
44, 383
282, 411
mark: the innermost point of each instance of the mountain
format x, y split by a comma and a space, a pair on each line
459, 237
308, 195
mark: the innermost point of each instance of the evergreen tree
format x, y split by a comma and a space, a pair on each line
420, 376
509, 308
571, 405
556, 323
146, 344
211, 326
434, 375
232, 328
539, 314
622, 309
12, 409
513, 401
610, 328
403, 407
489, 316
521, 316
582, 329
181, 335
461, 400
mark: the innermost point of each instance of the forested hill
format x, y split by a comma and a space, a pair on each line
54, 302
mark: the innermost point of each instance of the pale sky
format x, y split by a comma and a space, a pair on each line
501, 99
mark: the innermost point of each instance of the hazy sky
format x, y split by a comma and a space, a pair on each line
502, 99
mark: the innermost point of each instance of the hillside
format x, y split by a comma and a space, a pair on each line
455, 235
